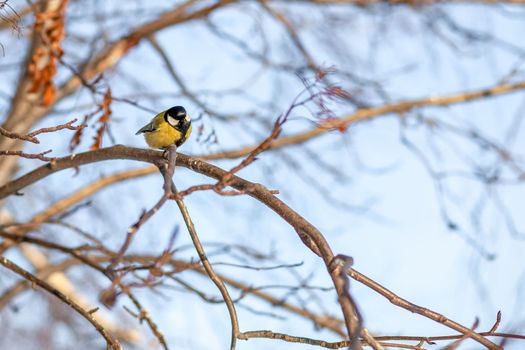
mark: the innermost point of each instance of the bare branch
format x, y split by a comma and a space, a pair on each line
41, 156
293, 339
209, 270
322, 321
370, 113
397, 300
113, 343
144, 315
31, 136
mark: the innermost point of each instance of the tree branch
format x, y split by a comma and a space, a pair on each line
209, 269
47, 287
405, 304
373, 112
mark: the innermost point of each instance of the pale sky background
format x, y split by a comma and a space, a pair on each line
410, 250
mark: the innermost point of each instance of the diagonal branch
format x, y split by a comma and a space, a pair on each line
365, 114
47, 287
405, 304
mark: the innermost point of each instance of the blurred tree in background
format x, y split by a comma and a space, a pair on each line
377, 136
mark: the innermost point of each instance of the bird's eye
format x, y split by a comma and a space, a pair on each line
172, 121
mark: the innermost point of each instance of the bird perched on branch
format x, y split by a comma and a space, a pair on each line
170, 127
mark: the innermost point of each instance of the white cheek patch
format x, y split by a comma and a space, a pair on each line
172, 121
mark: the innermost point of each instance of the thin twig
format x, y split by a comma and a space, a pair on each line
315, 342
405, 304
209, 270
69, 125
144, 315
293, 339
41, 155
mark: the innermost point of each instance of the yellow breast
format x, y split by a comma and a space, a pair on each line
163, 137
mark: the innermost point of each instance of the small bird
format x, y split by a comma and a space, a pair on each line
170, 127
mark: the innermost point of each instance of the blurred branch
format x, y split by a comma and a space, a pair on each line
114, 53
360, 115
31, 137
88, 191
294, 36
322, 321
370, 113
35, 79
91, 262
65, 203
46, 271
44, 285
178, 79
414, 3
10, 18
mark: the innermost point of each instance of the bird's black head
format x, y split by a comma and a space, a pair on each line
176, 116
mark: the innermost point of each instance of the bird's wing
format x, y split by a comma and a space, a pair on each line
146, 128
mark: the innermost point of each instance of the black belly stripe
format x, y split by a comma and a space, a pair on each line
181, 141
184, 133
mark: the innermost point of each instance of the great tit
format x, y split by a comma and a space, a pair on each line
170, 127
